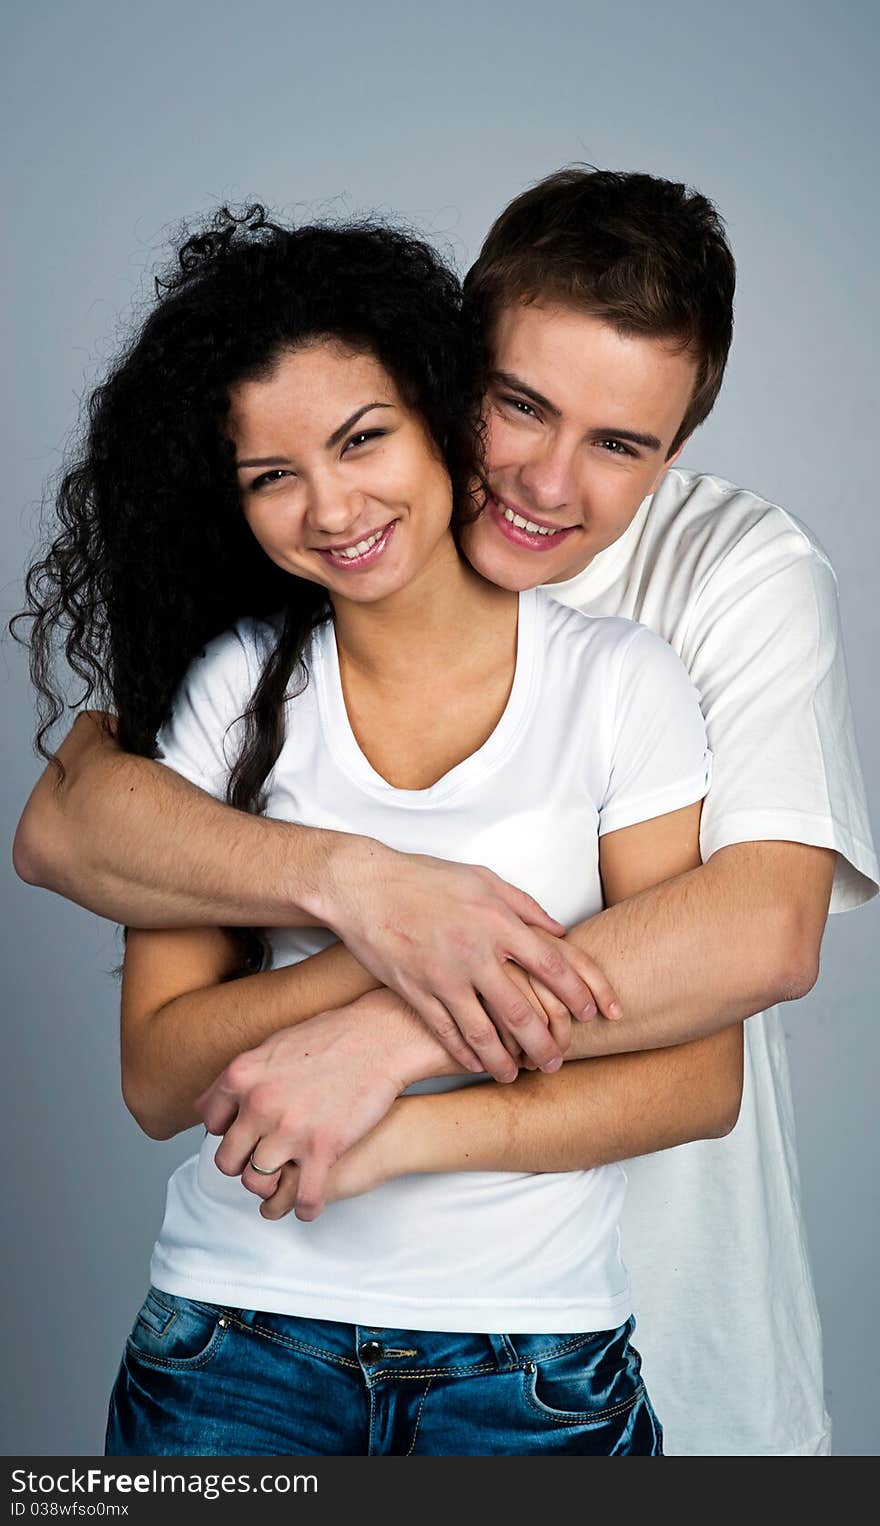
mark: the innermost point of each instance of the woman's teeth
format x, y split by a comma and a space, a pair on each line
350, 552
526, 524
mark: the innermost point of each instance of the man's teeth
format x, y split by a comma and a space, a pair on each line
350, 552
526, 524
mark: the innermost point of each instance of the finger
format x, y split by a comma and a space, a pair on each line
553, 962
558, 1016
511, 1009
527, 909
234, 1150
283, 1198
446, 1030
217, 1109
513, 1048
311, 1187
254, 1181
273, 1149
483, 1036
606, 998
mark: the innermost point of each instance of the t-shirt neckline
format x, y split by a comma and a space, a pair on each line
345, 748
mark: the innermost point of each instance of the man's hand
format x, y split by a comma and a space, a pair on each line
309, 1093
442, 936
361, 1169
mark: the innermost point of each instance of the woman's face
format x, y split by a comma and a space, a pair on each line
339, 480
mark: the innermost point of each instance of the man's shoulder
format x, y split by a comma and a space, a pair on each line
706, 513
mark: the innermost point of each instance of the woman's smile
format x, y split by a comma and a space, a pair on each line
360, 553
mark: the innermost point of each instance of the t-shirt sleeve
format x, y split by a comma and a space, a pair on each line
203, 734
660, 759
765, 652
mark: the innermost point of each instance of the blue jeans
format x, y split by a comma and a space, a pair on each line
204, 1381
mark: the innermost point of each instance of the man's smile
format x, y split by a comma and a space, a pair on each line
523, 529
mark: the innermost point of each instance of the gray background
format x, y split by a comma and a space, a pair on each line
121, 119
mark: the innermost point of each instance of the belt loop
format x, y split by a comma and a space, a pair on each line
505, 1356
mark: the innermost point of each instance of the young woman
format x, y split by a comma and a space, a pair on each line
267, 513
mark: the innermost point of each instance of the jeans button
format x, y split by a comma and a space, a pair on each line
370, 1352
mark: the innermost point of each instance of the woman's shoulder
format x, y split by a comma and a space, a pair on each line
588, 633
605, 646
239, 649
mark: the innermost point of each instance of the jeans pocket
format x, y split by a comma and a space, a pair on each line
173, 1333
593, 1382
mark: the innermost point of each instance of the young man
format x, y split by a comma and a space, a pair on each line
606, 302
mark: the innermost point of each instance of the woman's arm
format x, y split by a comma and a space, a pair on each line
593, 1113
185, 1015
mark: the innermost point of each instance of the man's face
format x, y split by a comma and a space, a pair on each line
580, 419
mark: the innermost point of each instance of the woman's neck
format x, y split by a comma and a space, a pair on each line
443, 619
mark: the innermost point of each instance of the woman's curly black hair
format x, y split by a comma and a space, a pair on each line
153, 557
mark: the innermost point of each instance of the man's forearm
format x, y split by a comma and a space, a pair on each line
708, 948
133, 841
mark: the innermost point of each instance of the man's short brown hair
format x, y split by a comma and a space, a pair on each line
648, 256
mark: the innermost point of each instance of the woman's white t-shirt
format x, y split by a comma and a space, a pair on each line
602, 729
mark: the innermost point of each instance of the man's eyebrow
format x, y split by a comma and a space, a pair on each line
337, 435
516, 384
632, 436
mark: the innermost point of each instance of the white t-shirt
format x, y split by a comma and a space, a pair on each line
602, 729
712, 1232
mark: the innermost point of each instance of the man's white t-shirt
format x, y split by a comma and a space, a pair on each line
712, 1232
602, 729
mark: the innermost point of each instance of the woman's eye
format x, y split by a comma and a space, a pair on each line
267, 477
525, 409
362, 438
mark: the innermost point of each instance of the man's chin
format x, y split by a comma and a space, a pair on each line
498, 563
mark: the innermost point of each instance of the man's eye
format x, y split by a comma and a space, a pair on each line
616, 448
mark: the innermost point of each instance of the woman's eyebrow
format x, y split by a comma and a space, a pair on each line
334, 439
343, 429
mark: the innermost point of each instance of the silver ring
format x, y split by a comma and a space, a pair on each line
261, 1170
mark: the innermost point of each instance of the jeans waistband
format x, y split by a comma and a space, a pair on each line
411, 1352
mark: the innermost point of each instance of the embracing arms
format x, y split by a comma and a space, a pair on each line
285, 1092
132, 840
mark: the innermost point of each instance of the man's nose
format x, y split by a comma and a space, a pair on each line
547, 477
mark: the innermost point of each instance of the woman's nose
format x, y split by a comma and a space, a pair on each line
331, 508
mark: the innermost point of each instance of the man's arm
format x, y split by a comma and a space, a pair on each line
131, 839
710, 947
310, 1095
690, 956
